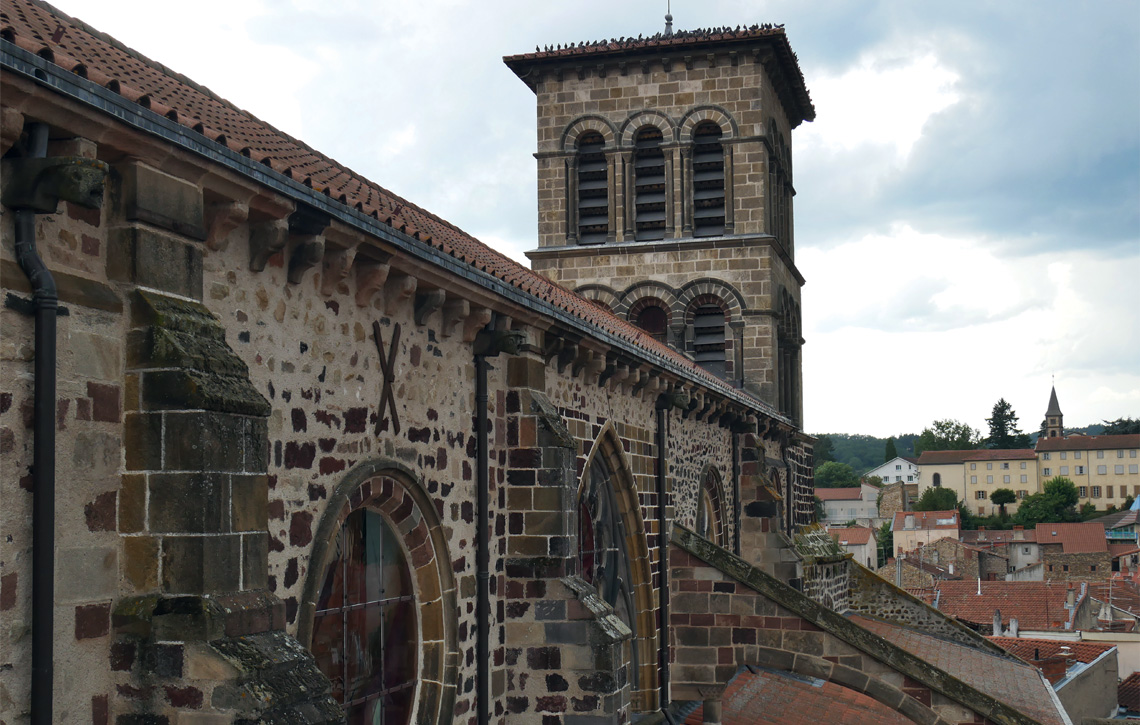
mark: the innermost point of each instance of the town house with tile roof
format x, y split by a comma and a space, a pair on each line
306, 452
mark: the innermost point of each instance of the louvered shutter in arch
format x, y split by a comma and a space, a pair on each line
593, 190
649, 183
708, 339
708, 181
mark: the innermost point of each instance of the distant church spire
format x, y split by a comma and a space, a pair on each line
668, 18
1054, 419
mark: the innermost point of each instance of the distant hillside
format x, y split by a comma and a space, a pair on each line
863, 452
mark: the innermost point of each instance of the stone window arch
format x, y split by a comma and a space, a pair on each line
600, 295
711, 520
379, 566
613, 556
652, 315
710, 339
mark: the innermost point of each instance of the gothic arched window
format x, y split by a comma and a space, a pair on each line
708, 181
649, 184
365, 628
603, 558
593, 190
937, 480
710, 517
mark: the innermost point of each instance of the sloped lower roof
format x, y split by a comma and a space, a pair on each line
1036, 605
853, 535
999, 536
44, 31
1020, 685
1085, 537
937, 458
925, 520
854, 493
1089, 443
757, 696
1031, 649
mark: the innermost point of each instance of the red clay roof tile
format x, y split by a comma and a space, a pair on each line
924, 520
852, 535
1128, 693
839, 494
1074, 538
1036, 605
1089, 443
935, 458
1031, 649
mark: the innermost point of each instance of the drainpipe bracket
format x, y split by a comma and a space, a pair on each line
27, 306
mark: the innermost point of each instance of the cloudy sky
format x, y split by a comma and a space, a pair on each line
968, 209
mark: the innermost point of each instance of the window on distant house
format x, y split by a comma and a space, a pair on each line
1024, 478
1132, 468
1005, 466
1005, 479
1064, 567
1044, 456
1108, 491
1083, 491
973, 479
973, 466
1064, 455
1102, 470
1132, 453
980, 494
1096, 491
989, 466
1092, 567
1023, 465
1118, 470
898, 466
1022, 493
1120, 454
1100, 454
937, 480
909, 479
989, 479
1077, 455
1079, 470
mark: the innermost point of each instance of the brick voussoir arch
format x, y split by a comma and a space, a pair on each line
601, 294
640, 120
585, 124
716, 114
642, 290
608, 445
819, 668
393, 489
732, 301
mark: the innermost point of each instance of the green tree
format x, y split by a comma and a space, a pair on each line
1088, 510
820, 511
873, 480
833, 474
886, 545
1004, 433
947, 435
936, 499
823, 451
889, 451
1056, 503
1127, 503
1001, 497
1121, 426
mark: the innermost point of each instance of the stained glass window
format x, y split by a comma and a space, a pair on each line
365, 632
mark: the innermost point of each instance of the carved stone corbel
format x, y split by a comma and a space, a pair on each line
475, 322
306, 254
400, 287
265, 240
369, 278
566, 355
221, 219
337, 265
427, 303
454, 312
11, 125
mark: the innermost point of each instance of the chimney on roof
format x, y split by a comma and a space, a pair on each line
1013, 627
951, 568
908, 522
1070, 598
997, 623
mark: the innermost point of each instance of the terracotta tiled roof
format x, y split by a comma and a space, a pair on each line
982, 537
1036, 605
1089, 443
909, 459
42, 30
1074, 538
1128, 693
925, 520
1118, 550
1018, 685
839, 494
1122, 593
1031, 649
852, 535
937, 458
768, 697
688, 42
1117, 520
1012, 454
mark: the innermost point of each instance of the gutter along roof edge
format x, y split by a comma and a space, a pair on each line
66, 83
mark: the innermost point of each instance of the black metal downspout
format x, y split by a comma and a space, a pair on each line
482, 547
488, 343
737, 509
46, 301
662, 407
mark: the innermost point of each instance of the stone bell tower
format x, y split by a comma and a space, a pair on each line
665, 192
